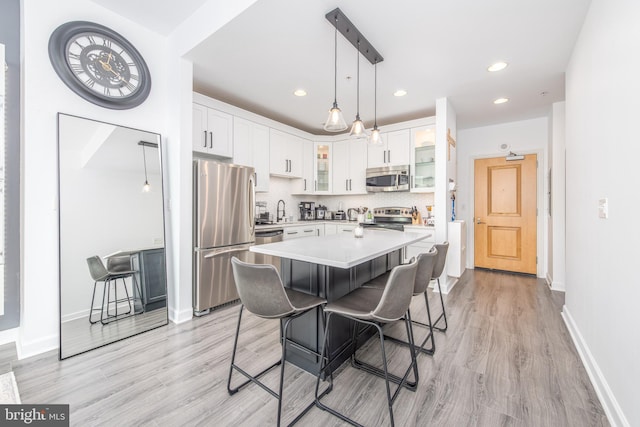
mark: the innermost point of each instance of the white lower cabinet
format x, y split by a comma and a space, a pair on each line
330, 229
298, 231
457, 253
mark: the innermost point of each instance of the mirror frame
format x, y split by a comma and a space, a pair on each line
164, 234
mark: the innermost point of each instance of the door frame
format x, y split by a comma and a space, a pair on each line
541, 204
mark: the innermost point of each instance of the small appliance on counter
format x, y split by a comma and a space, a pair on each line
321, 212
307, 211
339, 215
262, 215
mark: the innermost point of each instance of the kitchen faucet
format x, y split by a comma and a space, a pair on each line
278, 217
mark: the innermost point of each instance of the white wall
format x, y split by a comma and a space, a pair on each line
523, 137
556, 212
602, 152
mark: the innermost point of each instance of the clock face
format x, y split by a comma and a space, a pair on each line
99, 65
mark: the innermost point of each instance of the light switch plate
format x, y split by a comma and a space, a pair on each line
603, 208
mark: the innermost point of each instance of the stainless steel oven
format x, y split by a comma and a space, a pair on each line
388, 178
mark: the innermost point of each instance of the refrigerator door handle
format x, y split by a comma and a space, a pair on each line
252, 203
229, 250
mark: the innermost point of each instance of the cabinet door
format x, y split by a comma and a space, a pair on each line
423, 165
278, 162
398, 147
306, 183
242, 150
345, 228
358, 167
340, 166
200, 137
220, 130
260, 151
295, 150
377, 154
330, 229
323, 166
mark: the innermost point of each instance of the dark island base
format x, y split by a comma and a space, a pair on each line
330, 283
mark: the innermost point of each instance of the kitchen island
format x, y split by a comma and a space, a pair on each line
331, 267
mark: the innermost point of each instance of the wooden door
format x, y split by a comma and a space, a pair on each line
505, 214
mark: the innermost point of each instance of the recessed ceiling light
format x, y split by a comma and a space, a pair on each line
400, 92
501, 100
497, 66
300, 92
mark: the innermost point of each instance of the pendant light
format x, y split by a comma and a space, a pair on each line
357, 128
335, 122
146, 187
375, 138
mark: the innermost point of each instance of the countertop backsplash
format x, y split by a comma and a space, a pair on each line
280, 189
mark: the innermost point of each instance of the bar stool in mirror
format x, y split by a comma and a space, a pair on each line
110, 279
263, 294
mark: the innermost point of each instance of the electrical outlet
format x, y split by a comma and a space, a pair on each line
603, 208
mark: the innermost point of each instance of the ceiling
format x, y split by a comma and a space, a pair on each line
432, 49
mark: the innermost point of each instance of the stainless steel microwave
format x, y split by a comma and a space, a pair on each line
388, 178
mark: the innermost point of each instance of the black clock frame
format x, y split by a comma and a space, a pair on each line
57, 54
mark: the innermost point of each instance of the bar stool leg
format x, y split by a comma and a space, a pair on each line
442, 316
95, 284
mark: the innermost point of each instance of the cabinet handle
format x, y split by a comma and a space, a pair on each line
384, 156
346, 185
289, 165
308, 231
205, 139
412, 186
305, 184
316, 185
292, 232
210, 139
350, 188
389, 155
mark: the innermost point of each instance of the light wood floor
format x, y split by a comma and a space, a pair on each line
507, 359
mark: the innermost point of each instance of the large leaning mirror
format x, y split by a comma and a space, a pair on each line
112, 255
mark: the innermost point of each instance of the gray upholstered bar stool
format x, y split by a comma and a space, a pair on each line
438, 268
426, 262
100, 274
263, 294
371, 306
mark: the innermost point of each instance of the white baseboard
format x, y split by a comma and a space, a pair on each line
33, 348
8, 336
609, 403
554, 286
123, 306
446, 284
181, 316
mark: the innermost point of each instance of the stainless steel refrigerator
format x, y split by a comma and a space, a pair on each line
224, 226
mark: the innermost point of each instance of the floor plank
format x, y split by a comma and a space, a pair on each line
506, 360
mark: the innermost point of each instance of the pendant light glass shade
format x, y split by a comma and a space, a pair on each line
335, 122
357, 128
376, 137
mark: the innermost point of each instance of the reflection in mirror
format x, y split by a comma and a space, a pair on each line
112, 258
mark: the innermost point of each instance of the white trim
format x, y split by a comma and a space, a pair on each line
178, 317
33, 348
446, 284
9, 336
607, 399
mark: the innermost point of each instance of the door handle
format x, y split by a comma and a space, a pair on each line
479, 221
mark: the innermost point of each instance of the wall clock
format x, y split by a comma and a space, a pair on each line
99, 65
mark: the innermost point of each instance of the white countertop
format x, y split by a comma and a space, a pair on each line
346, 222
340, 250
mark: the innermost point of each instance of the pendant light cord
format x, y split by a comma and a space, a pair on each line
358, 86
144, 159
375, 95
335, 65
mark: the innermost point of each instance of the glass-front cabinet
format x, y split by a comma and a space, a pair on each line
323, 167
423, 159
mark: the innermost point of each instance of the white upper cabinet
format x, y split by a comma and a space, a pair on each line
286, 154
323, 160
349, 167
393, 151
212, 131
251, 148
305, 185
423, 159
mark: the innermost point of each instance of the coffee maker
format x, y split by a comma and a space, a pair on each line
307, 211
